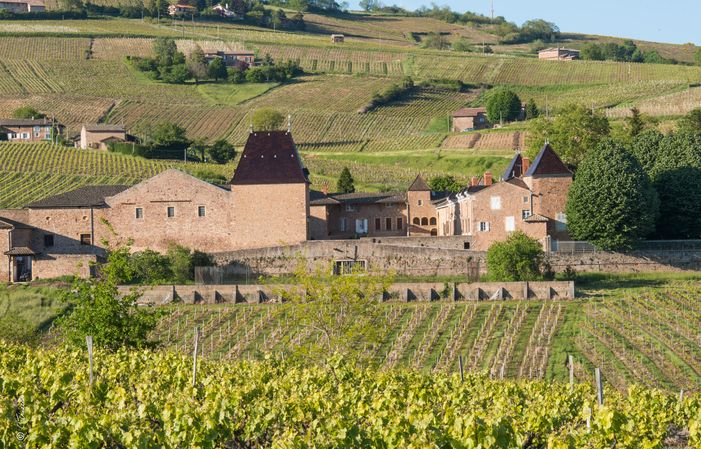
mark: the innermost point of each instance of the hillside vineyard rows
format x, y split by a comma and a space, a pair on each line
145, 398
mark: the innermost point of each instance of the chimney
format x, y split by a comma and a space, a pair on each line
325, 189
526, 164
488, 178
475, 181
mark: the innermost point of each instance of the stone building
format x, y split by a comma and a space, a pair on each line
561, 54
97, 137
29, 130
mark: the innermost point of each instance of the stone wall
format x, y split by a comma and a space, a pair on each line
47, 266
400, 292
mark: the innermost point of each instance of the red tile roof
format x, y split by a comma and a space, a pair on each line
469, 112
270, 157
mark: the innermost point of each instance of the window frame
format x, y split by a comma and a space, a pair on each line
421, 202
509, 222
51, 237
201, 211
342, 225
350, 207
85, 238
525, 199
378, 224
400, 223
561, 222
495, 203
139, 213
388, 221
525, 214
170, 211
483, 226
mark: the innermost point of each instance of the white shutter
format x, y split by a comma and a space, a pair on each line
510, 224
487, 226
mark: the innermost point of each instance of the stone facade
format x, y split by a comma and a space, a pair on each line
96, 137
29, 130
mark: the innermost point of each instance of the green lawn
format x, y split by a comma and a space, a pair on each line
233, 94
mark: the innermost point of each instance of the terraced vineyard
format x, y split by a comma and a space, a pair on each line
115, 49
677, 103
486, 141
39, 48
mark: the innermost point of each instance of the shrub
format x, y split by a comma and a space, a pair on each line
518, 258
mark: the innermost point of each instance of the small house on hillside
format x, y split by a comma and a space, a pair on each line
562, 54
22, 5
29, 130
470, 119
337, 38
242, 60
224, 11
181, 9
97, 137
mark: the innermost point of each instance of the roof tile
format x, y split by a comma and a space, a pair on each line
81, 197
548, 163
270, 157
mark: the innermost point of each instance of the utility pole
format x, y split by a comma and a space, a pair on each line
492, 12
501, 119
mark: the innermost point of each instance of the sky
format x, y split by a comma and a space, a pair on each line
674, 22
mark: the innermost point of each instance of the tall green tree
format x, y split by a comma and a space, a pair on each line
612, 202
636, 124
346, 184
112, 319
222, 151
505, 105
531, 109
691, 122
591, 52
267, 119
217, 70
26, 112
164, 49
199, 147
197, 55
171, 136
573, 133
445, 183
518, 258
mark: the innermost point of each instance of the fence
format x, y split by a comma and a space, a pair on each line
646, 245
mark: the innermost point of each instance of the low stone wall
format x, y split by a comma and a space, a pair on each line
439, 242
55, 265
400, 292
625, 262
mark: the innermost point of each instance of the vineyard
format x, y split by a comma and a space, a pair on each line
506, 142
143, 398
677, 103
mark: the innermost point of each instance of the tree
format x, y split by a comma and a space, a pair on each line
3, 136
537, 45
199, 146
217, 69
346, 184
152, 267
177, 74
612, 202
435, 40
298, 19
531, 109
236, 76
164, 49
572, 133
518, 258
184, 261
697, 56
504, 105
341, 308
99, 310
267, 119
197, 55
267, 60
445, 183
636, 124
222, 151
255, 75
26, 112
591, 52
691, 122
367, 5
197, 71
461, 44
171, 136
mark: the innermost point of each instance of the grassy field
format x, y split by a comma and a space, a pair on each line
638, 328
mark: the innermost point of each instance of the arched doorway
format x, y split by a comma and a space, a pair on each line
434, 231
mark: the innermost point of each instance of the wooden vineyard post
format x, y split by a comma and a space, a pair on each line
571, 373
194, 357
88, 339
462, 377
599, 388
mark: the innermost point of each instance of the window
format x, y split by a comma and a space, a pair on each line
48, 240
47, 128
510, 226
484, 226
13, 136
525, 214
481, 119
139, 213
171, 212
421, 202
525, 199
416, 221
25, 135
466, 245
37, 128
433, 221
349, 207
561, 222
390, 204
496, 203
200, 211
85, 239
400, 223
37, 134
424, 221
388, 223
47, 136
378, 224
248, 59
343, 224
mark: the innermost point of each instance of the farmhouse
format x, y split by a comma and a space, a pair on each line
337, 38
181, 9
98, 136
22, 5
470, 119
224, 11
239, 59
29, 130
562, 54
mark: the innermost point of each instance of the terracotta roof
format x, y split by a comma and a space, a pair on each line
319, 199
515, 168
548, 163
98, 128
270, 157
81, 197
536, 218
419, 185
469, 112
20, 251
27, 122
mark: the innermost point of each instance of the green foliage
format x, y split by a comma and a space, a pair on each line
505, 105
341, 308
267, 119
435, 41
199, 147
537, 45
236, 76
3, 136
531, 109
636, 124
691, 122
445, 183
184, 261
461, 44
345, 182
217, 69
392, 92
210, 175
15, 330
573, 133
171, 136
27, 112
152, 267
591, 52
697, 56
197, 55
177, 74
222, 151
267, 60
164, 49
611, 203
518, 258
113, 320
487, 49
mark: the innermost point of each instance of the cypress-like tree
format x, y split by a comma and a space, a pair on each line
612, 203
345, 182
505, 105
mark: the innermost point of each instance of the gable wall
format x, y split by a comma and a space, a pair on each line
426, 210
549, 199
512, 205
